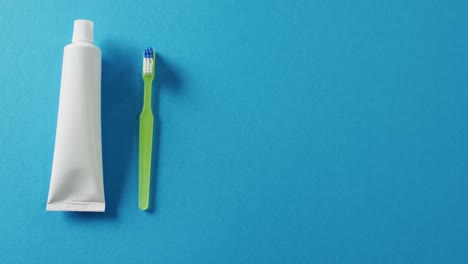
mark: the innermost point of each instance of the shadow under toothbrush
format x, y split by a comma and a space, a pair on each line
166, 76
120, 108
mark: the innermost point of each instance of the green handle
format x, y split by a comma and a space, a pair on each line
146, 144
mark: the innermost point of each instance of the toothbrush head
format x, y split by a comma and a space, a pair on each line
149, 63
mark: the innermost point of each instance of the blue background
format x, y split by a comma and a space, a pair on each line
301, 131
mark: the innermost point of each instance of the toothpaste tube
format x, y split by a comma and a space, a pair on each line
76, 182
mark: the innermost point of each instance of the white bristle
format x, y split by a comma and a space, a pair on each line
147, 65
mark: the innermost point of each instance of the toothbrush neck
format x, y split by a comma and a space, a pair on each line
147, 95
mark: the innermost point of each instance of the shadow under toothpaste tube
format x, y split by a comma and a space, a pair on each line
121, 80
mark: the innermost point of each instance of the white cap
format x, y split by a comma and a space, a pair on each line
83, 31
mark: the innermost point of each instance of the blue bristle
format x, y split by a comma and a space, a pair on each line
148, 52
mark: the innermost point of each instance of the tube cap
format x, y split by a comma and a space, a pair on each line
83, 31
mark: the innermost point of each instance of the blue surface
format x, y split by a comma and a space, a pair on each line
290, 132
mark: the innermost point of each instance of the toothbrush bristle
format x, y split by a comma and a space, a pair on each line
148, 52
148, 61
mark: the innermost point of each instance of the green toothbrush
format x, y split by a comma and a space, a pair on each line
146, 130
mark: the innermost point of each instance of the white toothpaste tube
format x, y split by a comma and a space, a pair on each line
76, 182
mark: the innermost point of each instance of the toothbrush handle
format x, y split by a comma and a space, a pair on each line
146, 144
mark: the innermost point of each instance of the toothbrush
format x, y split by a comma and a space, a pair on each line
146, 130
